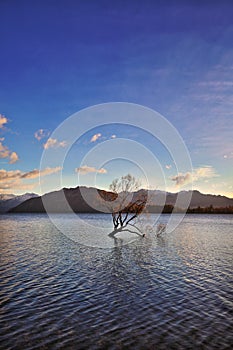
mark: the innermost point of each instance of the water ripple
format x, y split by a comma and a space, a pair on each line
174, 292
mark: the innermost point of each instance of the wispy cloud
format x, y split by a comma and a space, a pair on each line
14, 179
85, 169
13, 174
41, 134
204, 172
3, 121
36, 173
54, 143
95, 137
201, 173
217, 84
17, 185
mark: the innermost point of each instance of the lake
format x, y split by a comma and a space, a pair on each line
167, 292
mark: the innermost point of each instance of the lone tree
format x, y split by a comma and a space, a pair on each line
129, 202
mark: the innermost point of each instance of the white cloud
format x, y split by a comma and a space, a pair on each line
3, 120
197, 174
13, 158
95, 137
168, 166
113, 136
83, 170
41, 133
54, 143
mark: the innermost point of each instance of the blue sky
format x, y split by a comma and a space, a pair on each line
58, 57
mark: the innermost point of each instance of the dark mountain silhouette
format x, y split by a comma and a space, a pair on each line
80, 199
98, 200
8, 201
202, 200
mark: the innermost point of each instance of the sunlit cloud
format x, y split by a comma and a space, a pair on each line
95, 137
6, 153
54, 143
36, 173
3, 121
14, 179
13, 158
182, 179
41, 134
16, 185
83, 170
13, 174
168, 166
8, 175
204, 172
201, 173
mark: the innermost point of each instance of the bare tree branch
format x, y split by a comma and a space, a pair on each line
128, 203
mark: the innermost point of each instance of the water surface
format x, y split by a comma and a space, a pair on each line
171, 292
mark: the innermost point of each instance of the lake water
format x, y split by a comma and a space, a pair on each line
168, 292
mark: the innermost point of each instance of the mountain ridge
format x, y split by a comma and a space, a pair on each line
74, 197
8, 201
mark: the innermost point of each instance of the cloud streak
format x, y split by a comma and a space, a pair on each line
217, 84
85, 169
14, 179
36, 173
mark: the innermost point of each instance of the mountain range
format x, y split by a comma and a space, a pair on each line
88, 199
8, 201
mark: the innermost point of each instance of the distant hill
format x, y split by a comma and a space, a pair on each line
8, 201
57, 204
202, 200
74, 197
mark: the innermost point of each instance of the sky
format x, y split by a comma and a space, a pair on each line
59, 57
